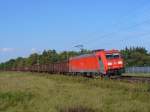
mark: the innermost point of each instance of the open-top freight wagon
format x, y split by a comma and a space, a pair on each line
98, 63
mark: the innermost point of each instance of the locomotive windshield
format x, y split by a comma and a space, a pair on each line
113, 56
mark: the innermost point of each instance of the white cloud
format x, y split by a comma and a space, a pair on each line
33, 50
7, 49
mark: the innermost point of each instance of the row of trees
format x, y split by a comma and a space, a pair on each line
134, 56
48, 56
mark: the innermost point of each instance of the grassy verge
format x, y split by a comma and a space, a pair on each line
28, 92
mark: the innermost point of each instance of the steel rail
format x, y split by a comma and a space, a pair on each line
132, 78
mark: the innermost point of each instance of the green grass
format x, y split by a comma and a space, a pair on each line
28, 92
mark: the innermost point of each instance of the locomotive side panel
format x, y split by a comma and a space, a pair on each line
85, 63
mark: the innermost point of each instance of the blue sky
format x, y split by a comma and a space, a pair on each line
28, 26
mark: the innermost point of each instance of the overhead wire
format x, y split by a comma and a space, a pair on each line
91, 41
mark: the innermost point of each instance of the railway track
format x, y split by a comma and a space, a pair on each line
132, 79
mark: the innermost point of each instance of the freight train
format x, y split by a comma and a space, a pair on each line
98, 63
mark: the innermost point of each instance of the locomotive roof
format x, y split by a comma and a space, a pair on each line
112, 51
94, 53
84, 55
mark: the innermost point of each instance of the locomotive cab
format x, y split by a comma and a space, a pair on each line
115, 65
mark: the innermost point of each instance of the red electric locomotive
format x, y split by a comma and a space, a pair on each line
98, 63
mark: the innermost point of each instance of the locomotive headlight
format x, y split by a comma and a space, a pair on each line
109, 63
120, 62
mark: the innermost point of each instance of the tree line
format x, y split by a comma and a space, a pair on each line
136, 56
133, 56
47, 56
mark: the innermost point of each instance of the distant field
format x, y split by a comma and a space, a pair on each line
27, 92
